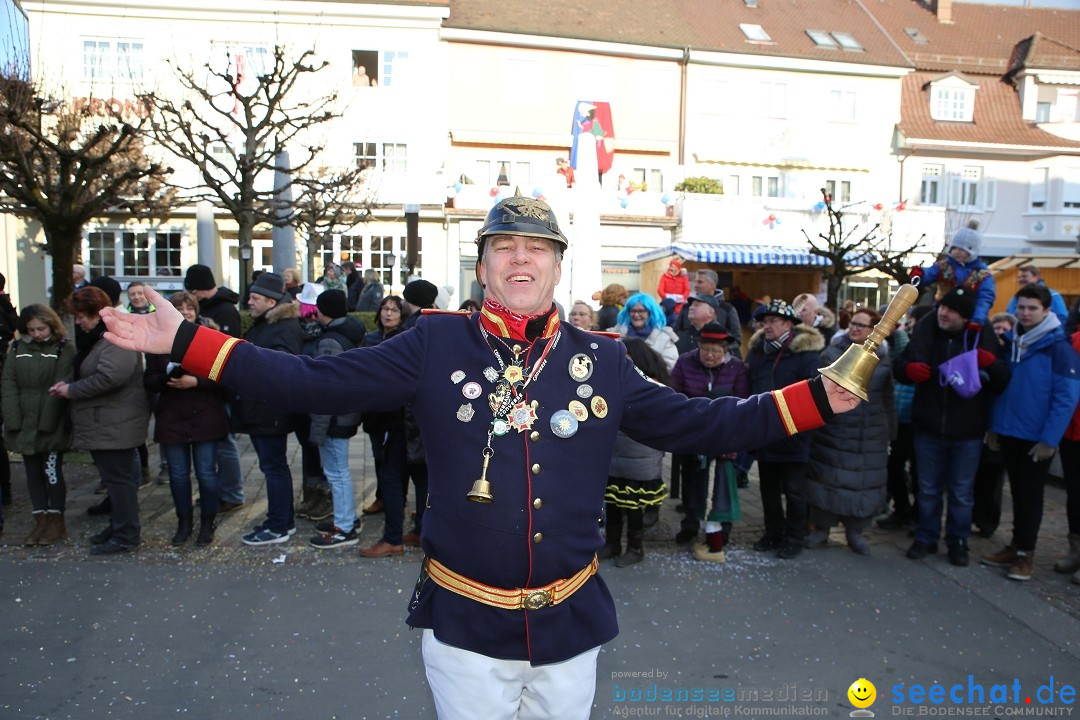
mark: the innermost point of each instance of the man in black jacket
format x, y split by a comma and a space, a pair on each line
949, 427
276, 325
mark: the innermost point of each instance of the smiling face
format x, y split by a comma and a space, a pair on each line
638, 316
137, 297
521, 272
862, 693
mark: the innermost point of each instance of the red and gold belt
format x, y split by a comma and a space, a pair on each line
517, 599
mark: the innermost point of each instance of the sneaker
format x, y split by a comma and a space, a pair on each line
337, 538
111, 547
265, 536
958, 554
163, 475
328, 526
1021, 567
292, 531
919, 550
1002, 558
766, 543
321, 509
790, 549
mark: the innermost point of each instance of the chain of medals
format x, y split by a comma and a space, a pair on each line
512, 379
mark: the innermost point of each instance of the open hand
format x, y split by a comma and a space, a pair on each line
151, 333
840, 400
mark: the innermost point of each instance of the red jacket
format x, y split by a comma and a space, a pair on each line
678, 288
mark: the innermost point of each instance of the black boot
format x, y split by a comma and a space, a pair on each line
206, 529
183, 527
635, 552
102, 508
613, 546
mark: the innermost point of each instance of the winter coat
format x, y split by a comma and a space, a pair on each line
379, 422
939, 410
9, 321
278, 329
949, 273
340, 335
849, 456
355, 284
109, 407
661, 340
677, 288
185, 416
1041, 397
370, 297
796, 361
630, 460
1073, 431
221, 308
693, 379
35, 421
607, 316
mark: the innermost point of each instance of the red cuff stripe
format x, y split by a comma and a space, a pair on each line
797, 408
208, 352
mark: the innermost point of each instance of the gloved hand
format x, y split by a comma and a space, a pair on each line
986, 358
918, 372
974, 326
915, 272
992, 441
1041, 452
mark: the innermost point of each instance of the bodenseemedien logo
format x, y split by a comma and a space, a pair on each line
862, 694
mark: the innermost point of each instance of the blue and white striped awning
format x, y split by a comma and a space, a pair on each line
741, 254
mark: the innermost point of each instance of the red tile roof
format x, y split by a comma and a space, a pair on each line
696, 24
1044, 53
996, 117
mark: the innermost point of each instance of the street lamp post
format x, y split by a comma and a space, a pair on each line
245, 268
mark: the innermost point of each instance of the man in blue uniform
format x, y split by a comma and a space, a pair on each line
519, 413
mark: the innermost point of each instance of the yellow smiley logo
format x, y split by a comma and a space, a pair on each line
862, 693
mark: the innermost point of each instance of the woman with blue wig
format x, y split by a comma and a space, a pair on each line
643, 318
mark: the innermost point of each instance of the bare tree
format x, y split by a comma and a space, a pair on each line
329, 201
232, 125
851, 251
63, 164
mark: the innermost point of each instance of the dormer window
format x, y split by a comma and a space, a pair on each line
952, 99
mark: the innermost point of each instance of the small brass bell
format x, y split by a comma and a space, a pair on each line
853, 370
481, 489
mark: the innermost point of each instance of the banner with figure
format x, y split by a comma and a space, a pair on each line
593, 128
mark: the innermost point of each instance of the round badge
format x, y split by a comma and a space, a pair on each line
593, 346
581, 367
577, 409
457, 376
599, 407
564, 424
584, 390
499, 427
471, 390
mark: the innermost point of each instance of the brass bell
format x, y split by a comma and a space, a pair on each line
481, 489
853, 370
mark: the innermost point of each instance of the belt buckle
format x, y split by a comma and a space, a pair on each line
536, 600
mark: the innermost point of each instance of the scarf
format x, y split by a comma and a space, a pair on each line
1022, 342
84, 343
643, 333
498, 318
774, 346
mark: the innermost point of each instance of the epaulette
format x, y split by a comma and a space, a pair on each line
436, 311
605, 333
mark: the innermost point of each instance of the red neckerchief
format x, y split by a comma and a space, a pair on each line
499, 319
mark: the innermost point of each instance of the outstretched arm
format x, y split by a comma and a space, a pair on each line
151, 333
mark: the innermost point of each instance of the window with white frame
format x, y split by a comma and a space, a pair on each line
395, 64
504, 173
971, 191
130, 253
731, 185
931, 191
1071, 191
767, 186
392, 157
1042, 112
372, 68
648, 179
387, 258
842, 105
113, 60
755, 33
1037, 186
952, 103
844, 188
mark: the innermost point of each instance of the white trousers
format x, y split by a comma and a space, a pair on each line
467, 685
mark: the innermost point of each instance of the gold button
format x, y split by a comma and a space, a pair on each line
538, 537
538, 503
534, 436
536, 469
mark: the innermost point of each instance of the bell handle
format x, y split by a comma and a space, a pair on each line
902, 301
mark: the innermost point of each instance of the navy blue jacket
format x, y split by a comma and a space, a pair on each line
544, 523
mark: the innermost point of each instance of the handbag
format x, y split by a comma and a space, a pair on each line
962, 372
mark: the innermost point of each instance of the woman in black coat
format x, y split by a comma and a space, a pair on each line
191, 420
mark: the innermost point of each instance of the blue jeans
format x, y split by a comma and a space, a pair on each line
230, 479
179, 457
946, 464
279, 486
334, 453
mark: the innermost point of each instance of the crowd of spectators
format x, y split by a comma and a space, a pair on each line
959, 402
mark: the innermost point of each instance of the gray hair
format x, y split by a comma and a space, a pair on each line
710, 275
